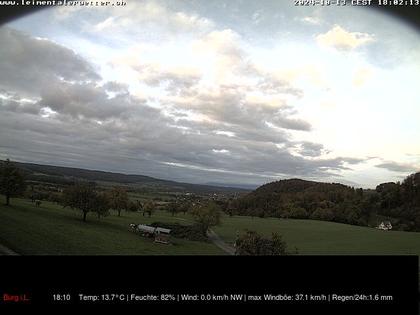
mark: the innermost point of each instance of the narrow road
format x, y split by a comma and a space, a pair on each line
220, 243
5, 251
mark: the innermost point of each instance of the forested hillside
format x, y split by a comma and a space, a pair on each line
296, 198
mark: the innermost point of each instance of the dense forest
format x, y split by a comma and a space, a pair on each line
398, 202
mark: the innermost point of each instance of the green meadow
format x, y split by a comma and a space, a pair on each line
52, 230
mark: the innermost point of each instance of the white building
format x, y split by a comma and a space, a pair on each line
385, 225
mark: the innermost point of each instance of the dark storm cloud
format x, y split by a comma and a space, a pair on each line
28, 64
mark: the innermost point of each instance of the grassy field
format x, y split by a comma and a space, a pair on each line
51, 230
319, 237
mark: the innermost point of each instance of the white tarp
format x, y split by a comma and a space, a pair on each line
146, 228
151, 229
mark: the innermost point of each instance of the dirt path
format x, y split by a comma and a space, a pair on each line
220, 243
5, 251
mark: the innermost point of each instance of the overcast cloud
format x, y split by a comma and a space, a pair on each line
188, 99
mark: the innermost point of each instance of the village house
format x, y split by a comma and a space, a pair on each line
385, 225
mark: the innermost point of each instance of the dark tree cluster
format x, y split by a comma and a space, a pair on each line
253, 244
179, 206
85, 198
206, 215
118, 199
401, 201
12, 183
300, 199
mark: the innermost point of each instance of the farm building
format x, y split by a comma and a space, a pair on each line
160, 235
385, 225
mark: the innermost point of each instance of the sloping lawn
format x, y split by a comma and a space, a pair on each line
52, 230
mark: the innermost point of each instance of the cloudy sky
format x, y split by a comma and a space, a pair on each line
233, 92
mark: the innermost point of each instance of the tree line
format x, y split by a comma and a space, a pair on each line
86, 197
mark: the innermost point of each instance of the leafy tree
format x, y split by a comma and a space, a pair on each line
260, 212
81, 196
118, 199
185, 207
149, 207
139, 205
173, 208
411, 186
134, 206
12, 183
230, 208
278, 246
252, 243
100, 204
206, 215
298, 213
322, 214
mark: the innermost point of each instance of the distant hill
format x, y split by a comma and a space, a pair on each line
67, 175
247, 187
